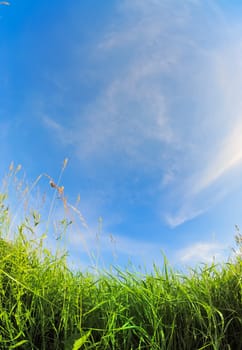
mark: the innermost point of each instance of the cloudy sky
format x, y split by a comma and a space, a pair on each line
144, 99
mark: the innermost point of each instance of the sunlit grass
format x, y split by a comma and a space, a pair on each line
45, 305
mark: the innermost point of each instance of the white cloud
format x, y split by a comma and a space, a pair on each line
202, 252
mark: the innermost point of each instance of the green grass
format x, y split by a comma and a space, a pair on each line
45, 305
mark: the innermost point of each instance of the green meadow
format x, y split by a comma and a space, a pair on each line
44, 305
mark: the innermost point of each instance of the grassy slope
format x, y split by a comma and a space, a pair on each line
44, 305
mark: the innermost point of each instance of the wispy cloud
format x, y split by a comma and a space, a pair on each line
169, 101
228, 157
112, 249
60, 132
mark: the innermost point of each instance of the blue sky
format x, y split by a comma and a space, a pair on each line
144, 99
